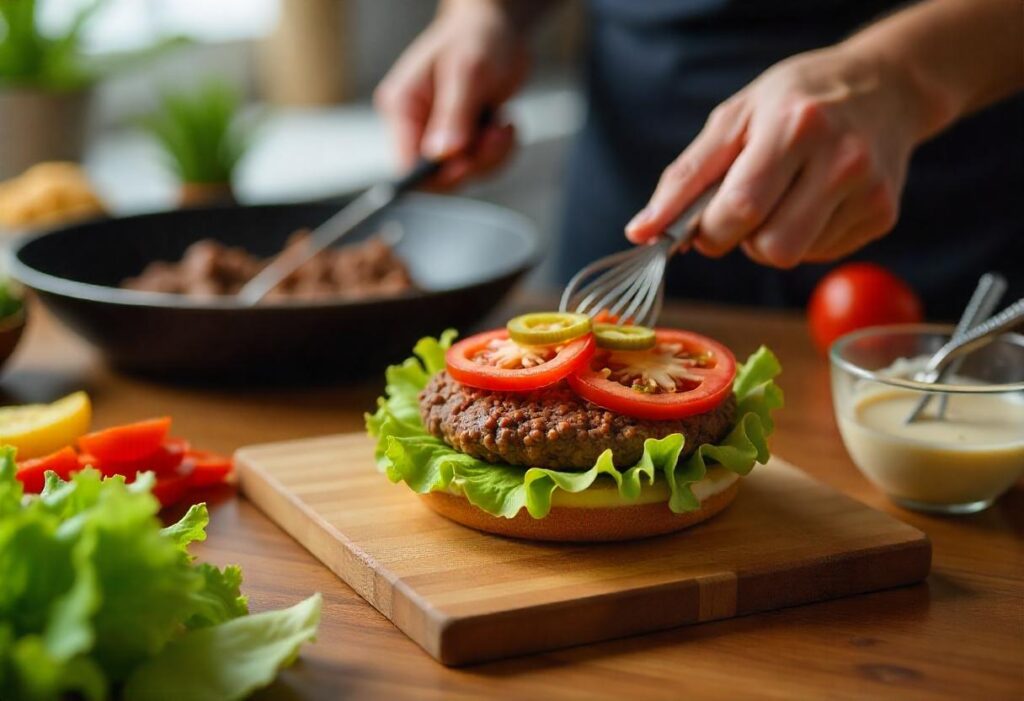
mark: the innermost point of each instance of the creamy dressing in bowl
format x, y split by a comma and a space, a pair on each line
957, 465
974, 455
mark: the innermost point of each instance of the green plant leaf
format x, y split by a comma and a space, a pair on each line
200, 133
31, 59
406, 452
10, 302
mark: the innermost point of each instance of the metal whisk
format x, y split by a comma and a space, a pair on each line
630, 284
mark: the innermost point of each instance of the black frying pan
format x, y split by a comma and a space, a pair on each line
463, 254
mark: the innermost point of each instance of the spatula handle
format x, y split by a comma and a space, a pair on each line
425, 168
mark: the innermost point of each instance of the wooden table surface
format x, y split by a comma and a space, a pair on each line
960, 635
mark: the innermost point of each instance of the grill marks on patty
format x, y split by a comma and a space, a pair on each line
552, 427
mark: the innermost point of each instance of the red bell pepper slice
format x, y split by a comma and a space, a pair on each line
127, 443
32, 473
170, 489
208, 468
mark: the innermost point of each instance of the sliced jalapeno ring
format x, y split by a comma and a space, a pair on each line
548, 328
615, 337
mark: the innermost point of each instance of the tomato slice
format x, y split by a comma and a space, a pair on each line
606, 317
128, 442
32, 473
493, 361
208, 468
683, 375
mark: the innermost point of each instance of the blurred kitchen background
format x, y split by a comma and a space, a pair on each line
305, 70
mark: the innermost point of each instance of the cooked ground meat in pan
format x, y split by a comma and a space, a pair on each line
553, 427
366, 269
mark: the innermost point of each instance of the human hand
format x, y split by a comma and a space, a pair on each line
814, 155
469, 59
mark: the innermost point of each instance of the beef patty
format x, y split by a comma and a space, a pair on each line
552, 428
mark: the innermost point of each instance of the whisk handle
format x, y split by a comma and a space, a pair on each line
686, 225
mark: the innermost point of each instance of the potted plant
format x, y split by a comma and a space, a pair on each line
46, 82
203, 139
44, 89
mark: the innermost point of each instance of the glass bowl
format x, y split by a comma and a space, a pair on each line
959, 464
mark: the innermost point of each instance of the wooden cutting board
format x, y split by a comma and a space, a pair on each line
466, 596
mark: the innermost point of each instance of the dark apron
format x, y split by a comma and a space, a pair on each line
656, 68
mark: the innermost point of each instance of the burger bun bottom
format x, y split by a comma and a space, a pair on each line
576, 524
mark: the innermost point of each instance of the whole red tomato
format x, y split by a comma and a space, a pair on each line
857, 295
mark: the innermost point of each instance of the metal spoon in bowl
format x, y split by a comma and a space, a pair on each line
987, 294
976, 338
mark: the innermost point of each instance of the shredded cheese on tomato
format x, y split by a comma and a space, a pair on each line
510, 355
665, 368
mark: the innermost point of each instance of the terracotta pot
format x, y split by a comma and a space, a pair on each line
201, 194
40, 126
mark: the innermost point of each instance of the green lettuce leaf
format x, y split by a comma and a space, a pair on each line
220, 599
146, 581
11, 490
406, 452
228, 661
190, 528
93, 589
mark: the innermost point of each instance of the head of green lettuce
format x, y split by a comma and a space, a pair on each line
406, 452
100, 601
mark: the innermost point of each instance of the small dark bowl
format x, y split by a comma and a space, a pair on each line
463, 254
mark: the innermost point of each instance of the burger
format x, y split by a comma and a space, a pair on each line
562, 429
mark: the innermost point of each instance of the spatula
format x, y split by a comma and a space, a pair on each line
338, 227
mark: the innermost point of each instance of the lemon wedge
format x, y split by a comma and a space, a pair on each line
41, 429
